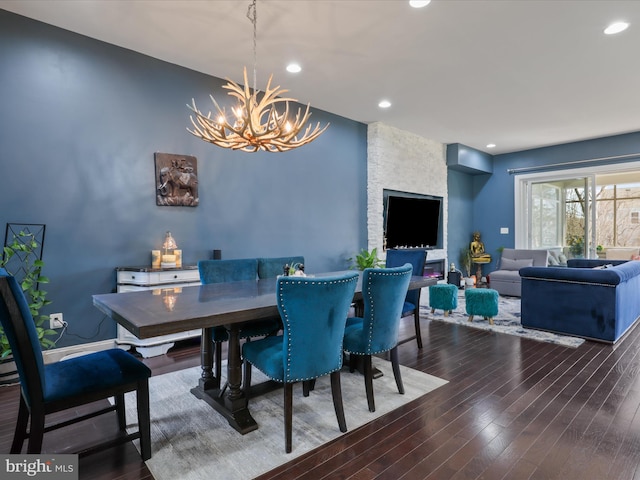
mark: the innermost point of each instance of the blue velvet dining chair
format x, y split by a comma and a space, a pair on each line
314, 312
68, 384
417, 258
383, 294
234, 270
271, 267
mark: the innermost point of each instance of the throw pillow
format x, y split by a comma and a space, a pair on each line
509, 264
553, 260
602, 267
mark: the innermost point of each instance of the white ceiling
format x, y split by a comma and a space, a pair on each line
517, 73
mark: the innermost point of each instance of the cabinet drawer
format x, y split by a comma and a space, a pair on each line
152, 279
137, 278
179, 276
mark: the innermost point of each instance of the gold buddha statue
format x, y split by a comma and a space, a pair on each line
478, 255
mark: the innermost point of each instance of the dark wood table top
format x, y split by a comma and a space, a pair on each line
152, 313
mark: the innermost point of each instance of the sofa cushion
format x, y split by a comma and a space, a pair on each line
505, 276
509, 264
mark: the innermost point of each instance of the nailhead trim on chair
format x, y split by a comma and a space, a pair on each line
370, 333
306, 281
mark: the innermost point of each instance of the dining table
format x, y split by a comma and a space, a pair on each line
149, 314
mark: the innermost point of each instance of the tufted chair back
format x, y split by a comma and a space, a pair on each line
313, 312
234, 270
416, 257
383, 292
273, 266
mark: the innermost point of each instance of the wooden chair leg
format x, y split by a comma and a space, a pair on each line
307, 386
396, 369
368, 382
20, 432
288, 415
247, 378
36, 431
120, 411
144, 420
416, 320
353, 362
336, 392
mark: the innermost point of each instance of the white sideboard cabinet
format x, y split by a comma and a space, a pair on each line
162, 281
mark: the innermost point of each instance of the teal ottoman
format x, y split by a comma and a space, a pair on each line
481, 301
443, 296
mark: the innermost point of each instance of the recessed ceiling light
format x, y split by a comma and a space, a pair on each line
616, 27
294, 68
384, 104
491, 145
419, 3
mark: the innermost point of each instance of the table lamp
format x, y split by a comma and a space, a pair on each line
169, 244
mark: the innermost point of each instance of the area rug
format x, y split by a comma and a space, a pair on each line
507, 321
191, 441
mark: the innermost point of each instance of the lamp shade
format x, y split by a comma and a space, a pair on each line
169, 242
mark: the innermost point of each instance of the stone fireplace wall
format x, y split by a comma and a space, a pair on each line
399, 160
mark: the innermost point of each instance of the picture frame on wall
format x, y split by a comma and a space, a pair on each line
176, 180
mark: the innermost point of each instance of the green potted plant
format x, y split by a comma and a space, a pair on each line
465, 260
20, 255
366, 259
576, 245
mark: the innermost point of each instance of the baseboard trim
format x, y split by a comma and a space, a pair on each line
58, 354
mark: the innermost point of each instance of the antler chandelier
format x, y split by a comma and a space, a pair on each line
256, 123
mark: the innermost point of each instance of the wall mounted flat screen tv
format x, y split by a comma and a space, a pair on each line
412, 220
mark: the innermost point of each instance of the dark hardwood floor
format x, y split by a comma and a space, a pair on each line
513, 409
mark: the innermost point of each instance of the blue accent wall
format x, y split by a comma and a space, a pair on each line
80, 123
460, 205
467, 159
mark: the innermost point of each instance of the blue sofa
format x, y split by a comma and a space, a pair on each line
590, 298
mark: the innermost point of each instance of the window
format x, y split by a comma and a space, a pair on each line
601, 204
618, 211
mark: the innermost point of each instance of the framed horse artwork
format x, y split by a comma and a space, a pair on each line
176, 180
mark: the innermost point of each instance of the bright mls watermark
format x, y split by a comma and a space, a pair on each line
51, 467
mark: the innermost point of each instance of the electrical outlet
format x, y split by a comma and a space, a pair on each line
56, 321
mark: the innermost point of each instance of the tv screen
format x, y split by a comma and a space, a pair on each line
412, 220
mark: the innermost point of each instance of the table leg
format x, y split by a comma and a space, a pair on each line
207, 380
232, 405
